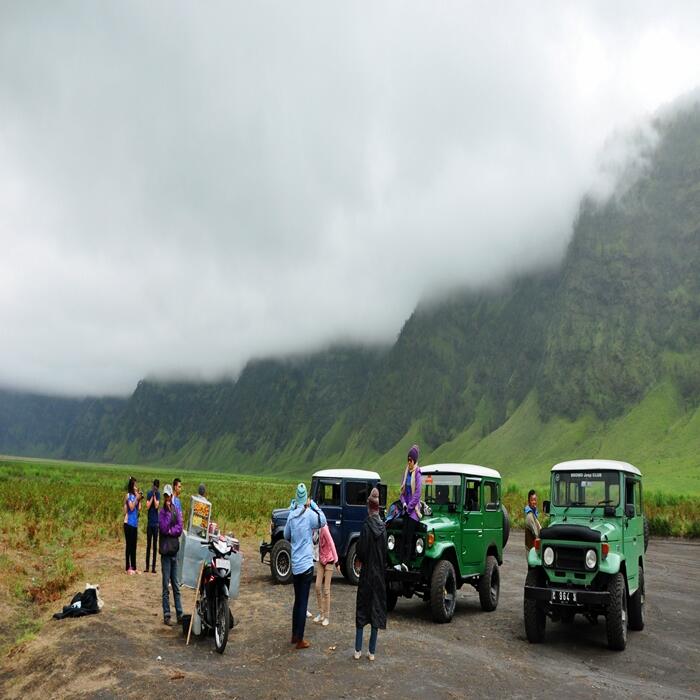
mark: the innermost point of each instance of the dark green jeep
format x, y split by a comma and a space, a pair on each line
460, 539
590, 559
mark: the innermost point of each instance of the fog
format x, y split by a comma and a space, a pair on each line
184, 186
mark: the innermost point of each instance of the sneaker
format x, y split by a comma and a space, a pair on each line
370, 657
130, 571
167, 621
303, 644
179, 619
356, 654
325, 622
153, 571
318, 618
308, 614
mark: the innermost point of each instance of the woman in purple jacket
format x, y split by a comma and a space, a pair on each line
170, 525
410, 500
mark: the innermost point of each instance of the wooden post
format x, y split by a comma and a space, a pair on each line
196, 598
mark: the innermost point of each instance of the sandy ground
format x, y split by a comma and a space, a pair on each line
115, 654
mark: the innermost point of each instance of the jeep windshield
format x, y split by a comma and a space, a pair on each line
586, 488
441, 489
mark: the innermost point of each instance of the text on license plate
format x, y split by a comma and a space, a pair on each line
222, 563
559, 596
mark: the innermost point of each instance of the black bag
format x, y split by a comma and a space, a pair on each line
168, 544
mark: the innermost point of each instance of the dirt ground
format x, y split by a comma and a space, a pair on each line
116, 653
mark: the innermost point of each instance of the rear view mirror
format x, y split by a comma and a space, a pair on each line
629, 510
545, 506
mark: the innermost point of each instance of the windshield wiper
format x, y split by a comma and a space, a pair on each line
601, 503
573, 503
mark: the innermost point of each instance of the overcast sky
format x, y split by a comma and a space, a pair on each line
184, 186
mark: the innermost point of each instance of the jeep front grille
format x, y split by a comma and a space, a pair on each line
570, 558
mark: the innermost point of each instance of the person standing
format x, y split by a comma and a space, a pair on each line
303, 519
152, 505
177, 489
410, 496
370, 602
170, 525
327, 561
132, 506
532, 521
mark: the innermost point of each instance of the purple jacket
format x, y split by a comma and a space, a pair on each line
169, 525
411, 500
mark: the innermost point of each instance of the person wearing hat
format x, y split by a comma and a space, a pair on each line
303, 518
170, 523
370, 602
410, 502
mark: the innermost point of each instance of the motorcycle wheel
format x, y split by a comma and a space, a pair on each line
221, 623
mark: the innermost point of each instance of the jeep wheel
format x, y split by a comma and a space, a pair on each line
646, 533
616, 614
352, 571
506, 525
490, 585
443, 591
281, 561
533, 613
391, 598
635, 605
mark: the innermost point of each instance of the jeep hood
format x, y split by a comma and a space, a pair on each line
280, 514
439, 522
607, 529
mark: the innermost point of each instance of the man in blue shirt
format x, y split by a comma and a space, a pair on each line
304, 518
152, 505
177, 488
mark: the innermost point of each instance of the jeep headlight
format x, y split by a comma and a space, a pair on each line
548, 556
591, 559
391, 542
420, 545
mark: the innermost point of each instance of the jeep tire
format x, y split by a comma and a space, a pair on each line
443, 591
635, 605
490, 585
533, 613
506, 525
281, 561
350, 570
616, 614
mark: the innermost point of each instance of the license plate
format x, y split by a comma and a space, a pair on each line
222, 564
559, 596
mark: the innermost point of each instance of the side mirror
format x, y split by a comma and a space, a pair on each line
629, 510
609, 511
545, 506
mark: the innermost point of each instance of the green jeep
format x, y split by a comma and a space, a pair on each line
460, 539
590, 559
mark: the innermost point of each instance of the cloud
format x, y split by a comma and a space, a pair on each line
184, 187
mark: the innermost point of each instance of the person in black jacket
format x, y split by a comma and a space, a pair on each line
370, 605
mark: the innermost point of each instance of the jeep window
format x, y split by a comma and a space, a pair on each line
441, 489
328, 493
633, 494
586, 488
471, 495
356, 493
491, 495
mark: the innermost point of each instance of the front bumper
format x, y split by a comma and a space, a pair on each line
573, 596
265, 548
411, 576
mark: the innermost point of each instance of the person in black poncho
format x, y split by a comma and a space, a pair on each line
370, 605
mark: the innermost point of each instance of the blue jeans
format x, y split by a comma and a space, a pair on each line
372, 639
302, 584
168, 565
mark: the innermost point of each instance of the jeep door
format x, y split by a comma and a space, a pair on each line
633, 537
493, 518
354, 508
472, 525
327, 496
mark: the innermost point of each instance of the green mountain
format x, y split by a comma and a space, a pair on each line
599, 357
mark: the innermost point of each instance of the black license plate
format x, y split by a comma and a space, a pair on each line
566, 597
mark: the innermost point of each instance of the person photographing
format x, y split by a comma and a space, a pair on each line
132, 506
304, 517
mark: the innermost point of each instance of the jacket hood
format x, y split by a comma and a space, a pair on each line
376, 525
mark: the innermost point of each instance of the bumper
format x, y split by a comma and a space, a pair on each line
265, 548
394, 576
573, 596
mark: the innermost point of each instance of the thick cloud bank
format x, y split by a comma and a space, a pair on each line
186, 185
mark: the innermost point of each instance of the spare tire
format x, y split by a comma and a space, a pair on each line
646, 533
506, 525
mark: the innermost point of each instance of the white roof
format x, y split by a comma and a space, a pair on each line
468, 469
347, 474
592, 464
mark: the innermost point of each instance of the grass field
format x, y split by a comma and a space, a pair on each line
52, 512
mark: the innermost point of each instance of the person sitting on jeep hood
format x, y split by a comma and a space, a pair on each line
410, 500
